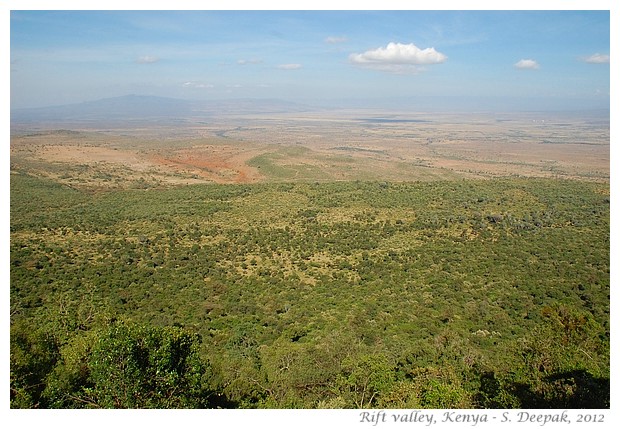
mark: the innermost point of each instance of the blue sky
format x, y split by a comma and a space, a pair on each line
516, 57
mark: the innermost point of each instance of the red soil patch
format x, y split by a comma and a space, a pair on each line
221, 164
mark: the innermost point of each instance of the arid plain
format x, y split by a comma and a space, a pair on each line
317, 146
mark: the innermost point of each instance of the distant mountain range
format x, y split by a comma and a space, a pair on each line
149, 108
130, 109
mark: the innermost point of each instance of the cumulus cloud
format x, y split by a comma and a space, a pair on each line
527, 64
597, 59
335, 39
289, 66
398, 58
243, 62
147, 59
197, 85
397, 54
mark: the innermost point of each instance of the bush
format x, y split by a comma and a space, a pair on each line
129, 366
33, 355
143, 367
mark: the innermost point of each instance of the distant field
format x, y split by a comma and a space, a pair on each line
321, 147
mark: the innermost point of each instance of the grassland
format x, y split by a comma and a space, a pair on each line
390, 262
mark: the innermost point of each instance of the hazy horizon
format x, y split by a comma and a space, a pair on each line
445, 104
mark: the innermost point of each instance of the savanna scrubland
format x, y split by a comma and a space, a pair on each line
309, 260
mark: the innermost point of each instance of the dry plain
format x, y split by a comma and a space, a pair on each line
317, 146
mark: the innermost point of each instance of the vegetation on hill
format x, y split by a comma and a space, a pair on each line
447, 294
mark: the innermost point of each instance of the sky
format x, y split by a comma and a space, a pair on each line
528, 59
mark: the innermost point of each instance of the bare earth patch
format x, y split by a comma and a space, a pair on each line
217, 163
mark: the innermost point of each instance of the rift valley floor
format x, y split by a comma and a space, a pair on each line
350, 259
316, 146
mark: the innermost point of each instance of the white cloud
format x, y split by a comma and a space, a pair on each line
527, 64
147, 59
335, 39
398, 58
243, 62
597, 59
289, 66
197, 85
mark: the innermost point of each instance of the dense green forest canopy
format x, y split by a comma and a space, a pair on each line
446, 294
